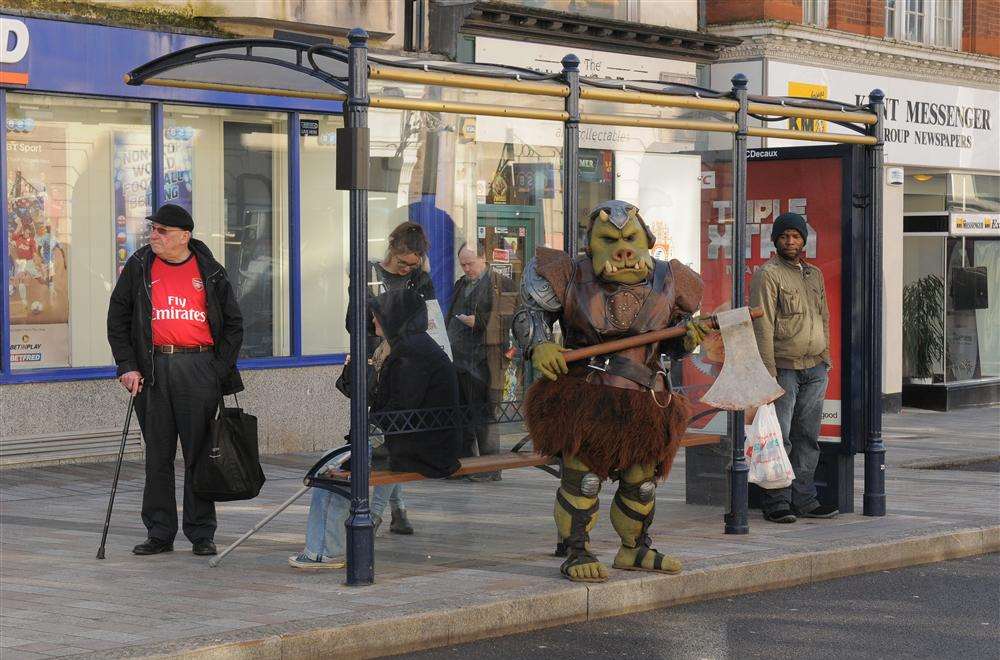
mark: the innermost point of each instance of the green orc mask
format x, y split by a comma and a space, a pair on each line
618, 243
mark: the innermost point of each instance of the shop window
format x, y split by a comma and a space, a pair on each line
229, 168
925, 191
972, 342
78, 190
974, 192
325, 240
931, 22
923, 309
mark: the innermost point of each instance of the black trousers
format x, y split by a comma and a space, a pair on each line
181, 403
475, 392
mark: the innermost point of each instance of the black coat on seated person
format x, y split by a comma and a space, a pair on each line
417, 374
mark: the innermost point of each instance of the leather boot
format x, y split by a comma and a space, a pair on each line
400, 524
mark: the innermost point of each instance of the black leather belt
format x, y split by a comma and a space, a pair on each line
168, 349
616, 365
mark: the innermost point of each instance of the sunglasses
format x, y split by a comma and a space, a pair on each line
157, 229
408, 265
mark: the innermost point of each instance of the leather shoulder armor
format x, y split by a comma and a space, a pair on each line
555, 266
687, 287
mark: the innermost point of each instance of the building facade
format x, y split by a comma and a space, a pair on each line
937, 62
85, 158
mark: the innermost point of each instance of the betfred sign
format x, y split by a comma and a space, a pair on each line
14, 40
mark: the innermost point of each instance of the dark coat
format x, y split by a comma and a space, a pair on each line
416, 375
130, 317
469, 345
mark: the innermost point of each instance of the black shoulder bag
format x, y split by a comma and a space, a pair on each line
229, 466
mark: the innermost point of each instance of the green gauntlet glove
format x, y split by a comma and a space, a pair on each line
548, 360
697, 330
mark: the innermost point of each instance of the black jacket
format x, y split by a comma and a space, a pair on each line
130, 317
416, 375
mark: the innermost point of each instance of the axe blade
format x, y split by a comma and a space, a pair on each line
744, 381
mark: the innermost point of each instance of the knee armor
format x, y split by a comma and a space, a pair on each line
647, 491
590, 485
580, 483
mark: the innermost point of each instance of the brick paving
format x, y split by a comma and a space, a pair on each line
475, 543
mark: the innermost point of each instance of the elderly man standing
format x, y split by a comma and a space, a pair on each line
793, 336
175, 330
472, 305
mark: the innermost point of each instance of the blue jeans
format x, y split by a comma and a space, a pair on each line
325, 528
800, 413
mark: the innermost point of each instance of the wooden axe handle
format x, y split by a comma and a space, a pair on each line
641, 340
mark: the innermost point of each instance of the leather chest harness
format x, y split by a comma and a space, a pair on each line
595, 311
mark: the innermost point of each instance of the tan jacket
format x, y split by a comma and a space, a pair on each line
794, 332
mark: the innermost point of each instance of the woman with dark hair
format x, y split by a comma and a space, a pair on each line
404, 264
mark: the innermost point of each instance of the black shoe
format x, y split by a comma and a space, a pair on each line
779, 516
153, 546
821, 511
400, 524
204, 547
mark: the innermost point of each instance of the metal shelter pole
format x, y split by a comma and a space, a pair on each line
736, 519
571, 155
874, 493
360, 528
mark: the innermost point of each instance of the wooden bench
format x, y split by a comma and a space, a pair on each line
339, 481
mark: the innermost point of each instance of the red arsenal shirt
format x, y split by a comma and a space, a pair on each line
179, 314
24, 245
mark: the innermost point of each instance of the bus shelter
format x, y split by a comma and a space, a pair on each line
508, 159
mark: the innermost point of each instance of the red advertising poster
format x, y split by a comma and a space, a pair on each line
811, 187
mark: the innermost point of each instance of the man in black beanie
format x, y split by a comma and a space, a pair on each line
175, 331
793, 336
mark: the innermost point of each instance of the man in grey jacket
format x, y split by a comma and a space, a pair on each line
793, 336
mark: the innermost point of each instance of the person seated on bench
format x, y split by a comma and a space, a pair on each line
415, 375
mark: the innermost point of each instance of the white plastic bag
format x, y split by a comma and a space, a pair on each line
765, 451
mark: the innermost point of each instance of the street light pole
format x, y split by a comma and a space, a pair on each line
874, 493
737, 518
354, 150
571, 155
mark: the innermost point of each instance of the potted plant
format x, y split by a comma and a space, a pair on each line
923, 327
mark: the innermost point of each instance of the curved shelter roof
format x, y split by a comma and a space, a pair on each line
287, 68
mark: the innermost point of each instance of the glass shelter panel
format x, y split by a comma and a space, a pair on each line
78, 191
494, 185
325, 239
230, 169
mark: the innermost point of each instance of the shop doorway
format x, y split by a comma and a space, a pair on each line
507, 235
249, 195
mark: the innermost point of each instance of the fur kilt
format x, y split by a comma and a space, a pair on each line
608, 428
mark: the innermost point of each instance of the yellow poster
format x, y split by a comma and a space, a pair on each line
807, 91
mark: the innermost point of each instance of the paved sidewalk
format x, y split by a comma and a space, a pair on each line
480, 563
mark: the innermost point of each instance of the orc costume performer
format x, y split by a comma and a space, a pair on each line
614, 416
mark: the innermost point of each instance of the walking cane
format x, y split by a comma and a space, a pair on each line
214, 561
118, 471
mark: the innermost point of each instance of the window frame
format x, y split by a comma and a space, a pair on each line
895, 25
10, 376
819, 10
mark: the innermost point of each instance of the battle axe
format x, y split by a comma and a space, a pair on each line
744, 381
